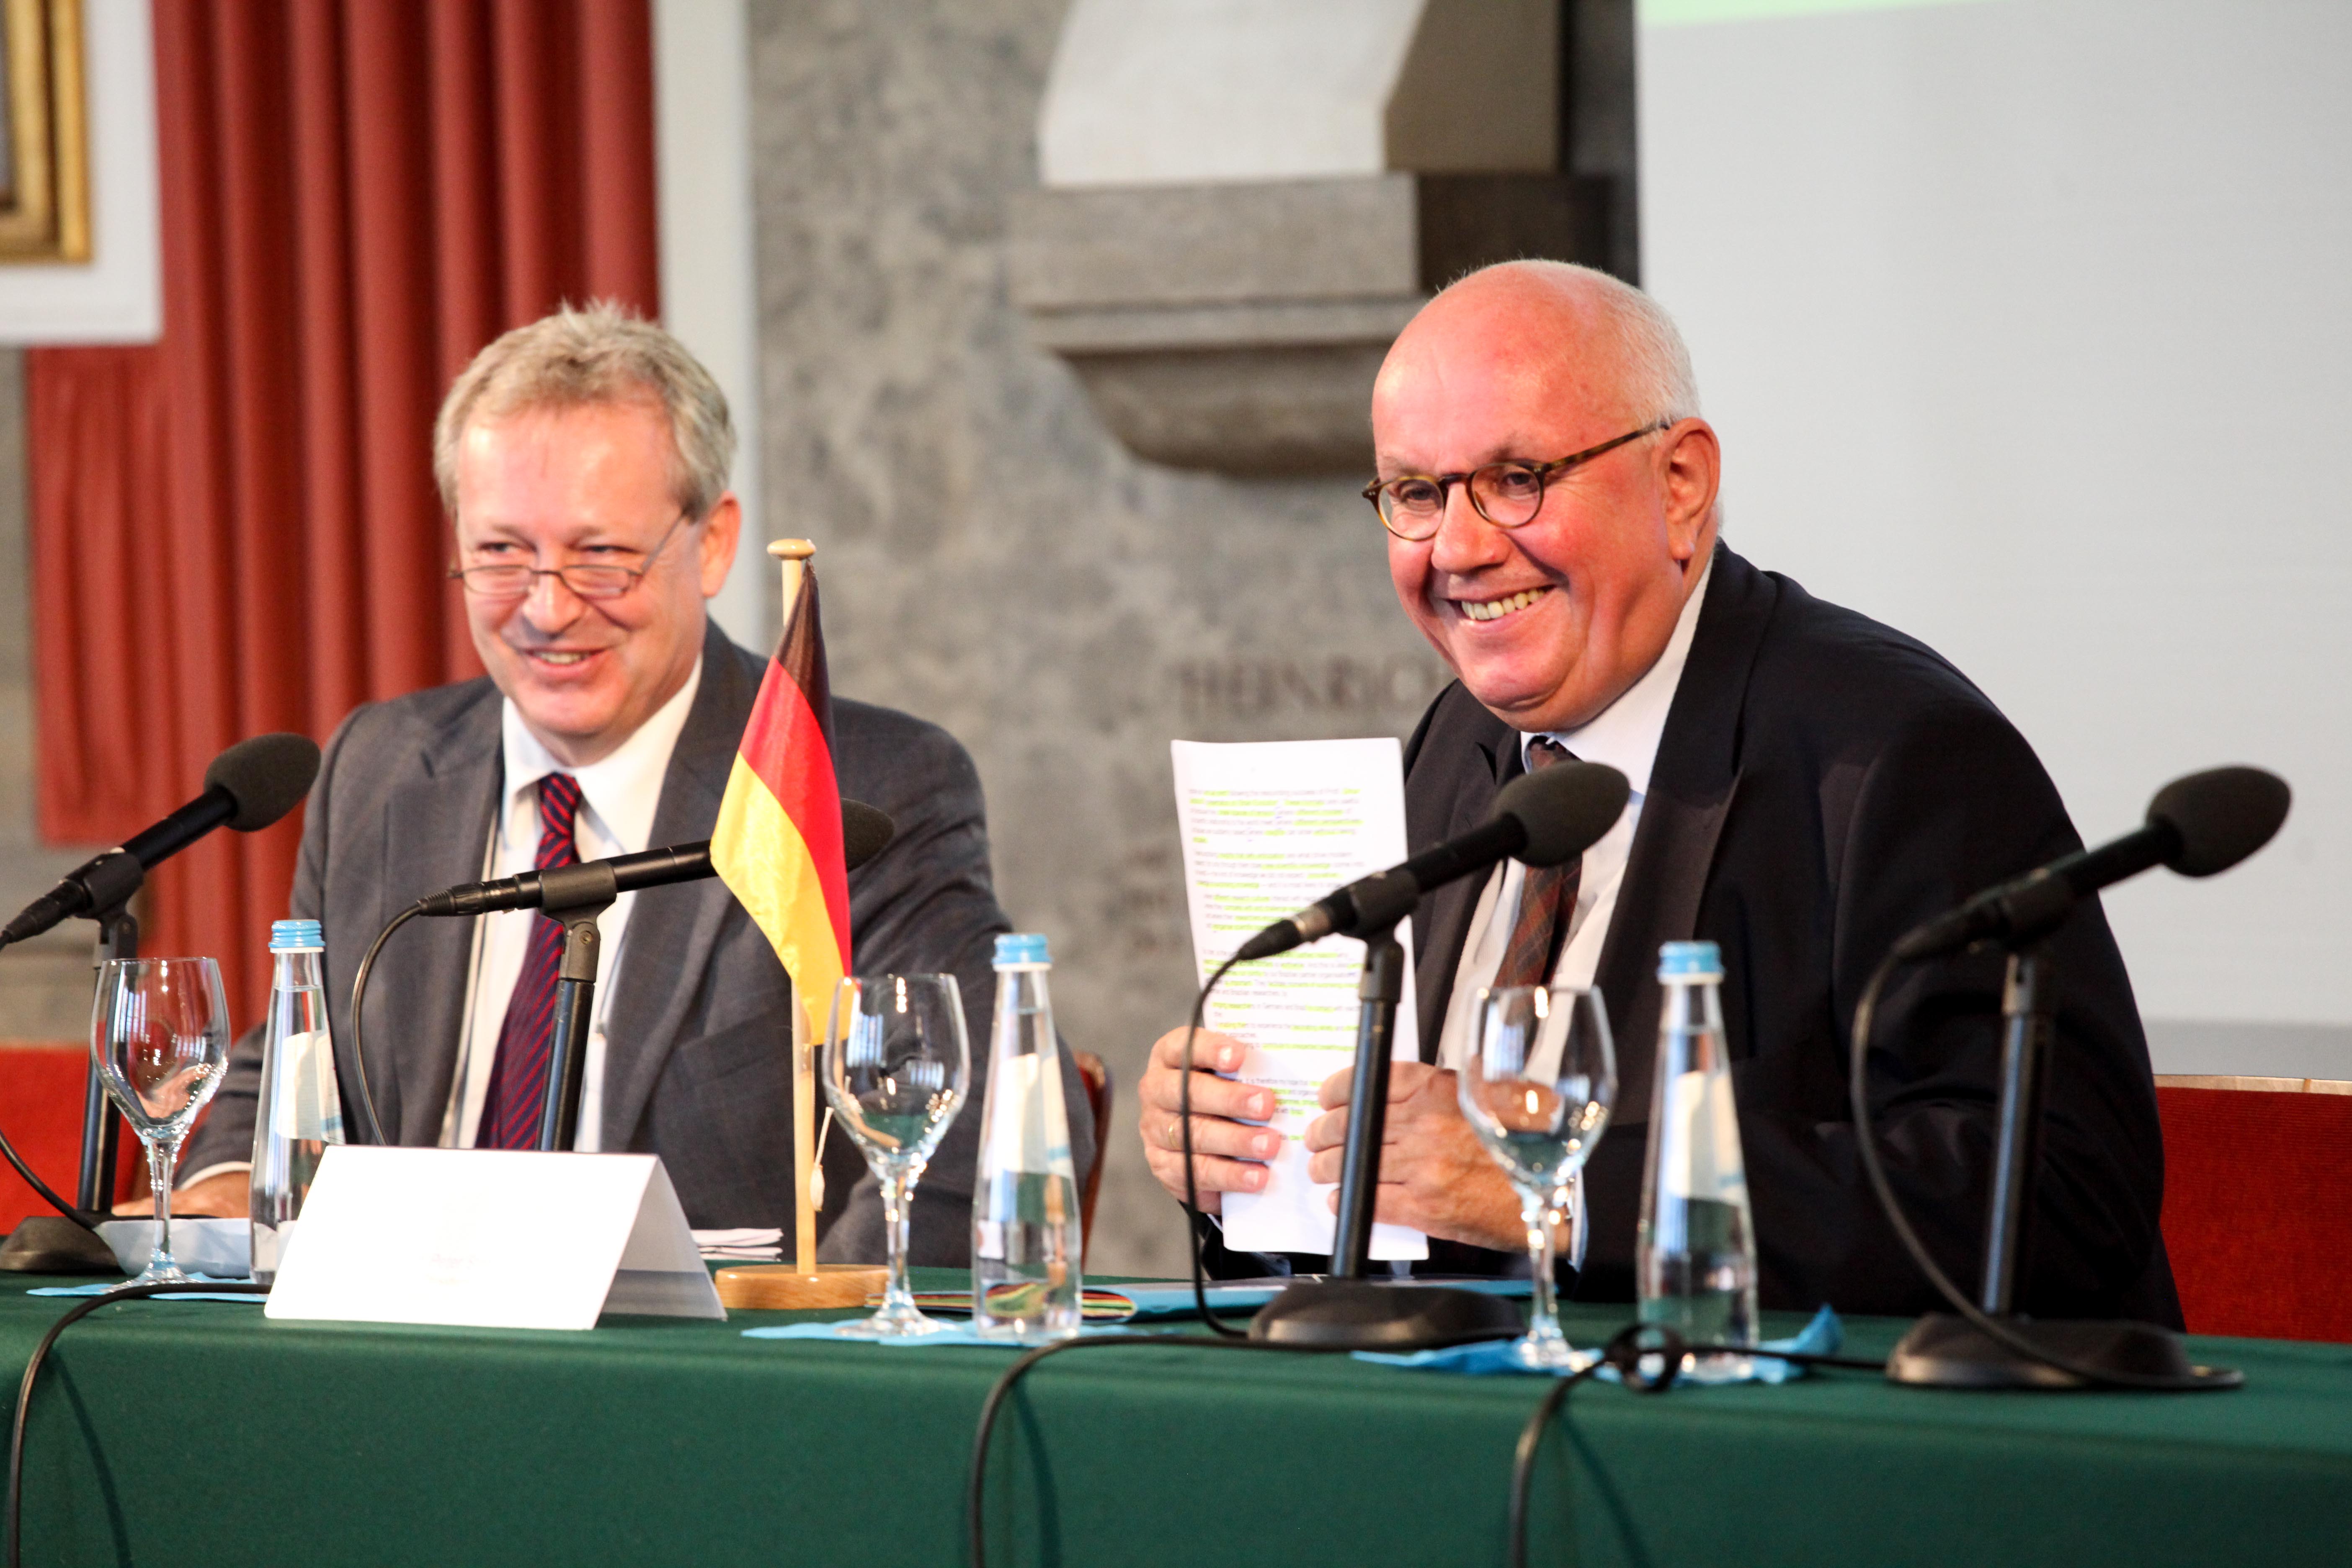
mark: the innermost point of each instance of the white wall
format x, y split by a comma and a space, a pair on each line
2024, 324
118, 295
702, 147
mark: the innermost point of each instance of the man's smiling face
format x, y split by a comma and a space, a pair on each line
576, 487
1549, 622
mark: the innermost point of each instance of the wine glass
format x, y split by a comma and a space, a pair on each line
897, 1066
1537, 1087
158, 1036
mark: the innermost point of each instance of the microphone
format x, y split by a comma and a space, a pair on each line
248, 787
1543, 819
649, 868
864, 832
2197, 826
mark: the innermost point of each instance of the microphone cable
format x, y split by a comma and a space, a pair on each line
1193, 1215
80, 1309
1858, 1087
359, 995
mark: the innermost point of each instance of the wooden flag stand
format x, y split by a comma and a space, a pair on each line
803, 1283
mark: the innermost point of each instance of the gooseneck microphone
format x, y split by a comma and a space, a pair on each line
248, 787
532, 890
864, 832
1543, 818
2197, 826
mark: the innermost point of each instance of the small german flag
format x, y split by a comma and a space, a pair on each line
777, 845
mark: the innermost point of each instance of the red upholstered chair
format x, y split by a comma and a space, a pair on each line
2257, 1216
1096, 1074
40, 1109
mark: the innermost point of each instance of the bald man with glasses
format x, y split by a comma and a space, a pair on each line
584, 460
1807, 785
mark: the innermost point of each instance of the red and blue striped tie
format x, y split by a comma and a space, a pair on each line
518, 1075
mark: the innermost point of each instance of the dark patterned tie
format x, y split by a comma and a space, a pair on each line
518, 1075
1547, 899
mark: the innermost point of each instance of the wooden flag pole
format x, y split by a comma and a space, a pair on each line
794, 554
805, 1283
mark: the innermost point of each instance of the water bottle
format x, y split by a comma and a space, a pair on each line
300, 1110
1025, 1235
1695, 1260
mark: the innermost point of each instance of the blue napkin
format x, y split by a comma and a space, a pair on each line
1487, 1357
1175, 1300
949, 1334
189, 1296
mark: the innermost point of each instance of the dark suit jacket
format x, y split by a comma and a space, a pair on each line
696, 1066
1823, 783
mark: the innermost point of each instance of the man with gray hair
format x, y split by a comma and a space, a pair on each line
584, 460
1807, 785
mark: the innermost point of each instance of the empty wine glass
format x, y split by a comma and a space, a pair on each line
897, 1066
158, 1036
1536, 1088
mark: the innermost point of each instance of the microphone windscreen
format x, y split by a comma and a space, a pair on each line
2222, 816
865, 832
1564, 808
266, 777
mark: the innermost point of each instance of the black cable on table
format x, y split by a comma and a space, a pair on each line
974, 1490
16, 1512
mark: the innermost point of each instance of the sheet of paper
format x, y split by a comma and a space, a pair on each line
1268, 828
491, 1238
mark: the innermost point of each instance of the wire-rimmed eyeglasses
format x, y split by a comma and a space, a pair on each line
1507, 494
588, 579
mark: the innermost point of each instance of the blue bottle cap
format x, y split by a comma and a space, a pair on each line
1690, 961
297, 936
1021, 947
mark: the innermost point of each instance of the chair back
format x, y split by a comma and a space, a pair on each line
2255, 1216
1096, 1072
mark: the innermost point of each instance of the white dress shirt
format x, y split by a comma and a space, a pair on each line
618, 796
1625, 735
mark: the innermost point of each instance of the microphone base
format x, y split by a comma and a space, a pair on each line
1363, 1315
1944, 1351
52, 1244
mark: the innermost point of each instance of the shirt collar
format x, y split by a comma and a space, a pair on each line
1625, 734
624, 788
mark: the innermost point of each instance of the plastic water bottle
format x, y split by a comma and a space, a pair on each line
1025, 1235
301, 1110
1696, 1259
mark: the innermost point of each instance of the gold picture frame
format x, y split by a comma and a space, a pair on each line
43, 134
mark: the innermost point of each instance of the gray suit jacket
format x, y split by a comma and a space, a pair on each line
696, 1066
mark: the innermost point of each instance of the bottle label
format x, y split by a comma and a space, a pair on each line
1020, 1137
1699, 1156
308, 1106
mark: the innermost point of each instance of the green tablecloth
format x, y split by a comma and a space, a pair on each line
198, 1433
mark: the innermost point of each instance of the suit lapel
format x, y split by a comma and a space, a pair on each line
437, 826
672, 932
1691, 788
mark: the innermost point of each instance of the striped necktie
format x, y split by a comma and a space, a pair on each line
518, 1075
1547, 899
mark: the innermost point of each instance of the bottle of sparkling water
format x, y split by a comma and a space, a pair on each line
1696, 1259
300, 1110
1025, 1235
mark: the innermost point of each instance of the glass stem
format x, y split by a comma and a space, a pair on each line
1543, 1314
163, 1160
895, 1186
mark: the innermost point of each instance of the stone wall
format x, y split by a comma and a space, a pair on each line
45, 982
993, 559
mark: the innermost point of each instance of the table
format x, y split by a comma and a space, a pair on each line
191, 1433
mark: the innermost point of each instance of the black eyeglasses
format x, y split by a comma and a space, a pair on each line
588, 579
1507, 494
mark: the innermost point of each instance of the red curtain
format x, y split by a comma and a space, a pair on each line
235, 529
